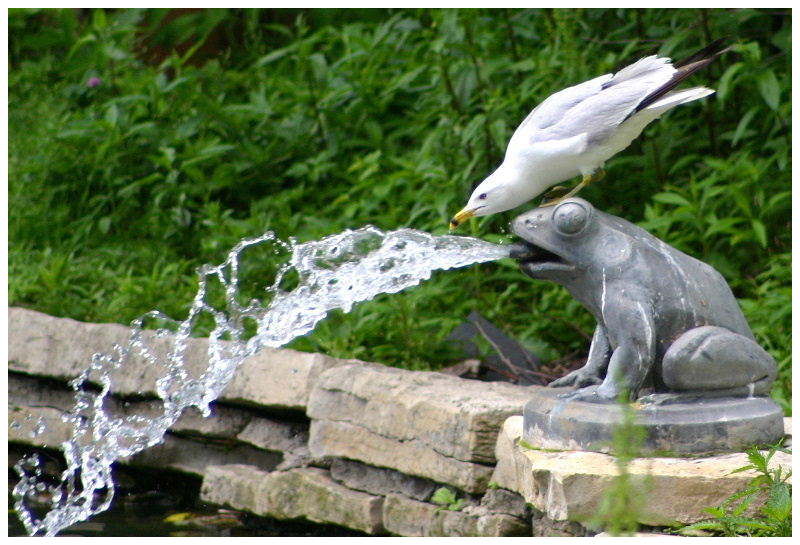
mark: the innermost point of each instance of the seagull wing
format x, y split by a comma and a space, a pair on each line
599, 113
549, 113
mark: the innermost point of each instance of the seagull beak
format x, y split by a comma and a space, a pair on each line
461, 217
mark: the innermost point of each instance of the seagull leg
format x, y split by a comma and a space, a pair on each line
596, 176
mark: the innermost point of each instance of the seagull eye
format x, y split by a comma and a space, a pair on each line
482, 196
570, 218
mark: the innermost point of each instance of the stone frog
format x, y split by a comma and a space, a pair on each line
666, 322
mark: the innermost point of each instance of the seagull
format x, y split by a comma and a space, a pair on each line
576, 130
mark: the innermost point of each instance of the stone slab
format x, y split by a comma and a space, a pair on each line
339, 439
569, 485
406, 517
195, 456
701, 427
299, 493
499, 500
457, 418
62, 348
26, 393
380, 481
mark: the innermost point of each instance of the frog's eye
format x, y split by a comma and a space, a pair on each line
570, 218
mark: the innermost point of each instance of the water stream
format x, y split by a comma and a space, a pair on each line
335, 272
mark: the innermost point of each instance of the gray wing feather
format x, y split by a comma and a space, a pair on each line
553, 108
601, 113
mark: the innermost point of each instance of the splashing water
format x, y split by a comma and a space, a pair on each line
332, 273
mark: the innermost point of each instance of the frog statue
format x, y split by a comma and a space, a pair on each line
667, 324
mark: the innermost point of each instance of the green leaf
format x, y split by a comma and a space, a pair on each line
443, 496
760, 232
769, 88
671, 198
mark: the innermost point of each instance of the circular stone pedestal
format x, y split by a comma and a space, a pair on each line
699, 427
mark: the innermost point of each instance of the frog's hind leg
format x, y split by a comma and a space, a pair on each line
714, 361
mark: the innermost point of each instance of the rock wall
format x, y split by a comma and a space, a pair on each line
298, 435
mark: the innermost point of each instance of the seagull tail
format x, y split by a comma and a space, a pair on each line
684, 69
675, 98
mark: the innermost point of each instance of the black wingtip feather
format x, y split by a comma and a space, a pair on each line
686, 68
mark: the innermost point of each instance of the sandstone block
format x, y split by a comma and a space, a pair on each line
312, 494
234, 485
381, 481
195, 456
40, 426
502, 525
569, 485
414, 457
454, 417
62, 348
499, 500
225, 422
406, 517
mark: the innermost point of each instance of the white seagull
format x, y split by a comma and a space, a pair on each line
575, 131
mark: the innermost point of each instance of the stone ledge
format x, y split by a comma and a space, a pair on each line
455, 417
62, 348
30, 400
407, 517
342, 440
569, 485
299, 493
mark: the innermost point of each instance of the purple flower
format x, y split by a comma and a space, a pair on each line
93, 82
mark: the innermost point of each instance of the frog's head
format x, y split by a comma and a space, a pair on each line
557, 240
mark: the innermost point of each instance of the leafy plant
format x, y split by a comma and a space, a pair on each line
619, 509
772, 519
446, 498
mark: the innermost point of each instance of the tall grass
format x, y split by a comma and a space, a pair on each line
206, 126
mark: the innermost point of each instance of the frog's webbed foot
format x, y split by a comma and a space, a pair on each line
596, 176
578, 378
590, 394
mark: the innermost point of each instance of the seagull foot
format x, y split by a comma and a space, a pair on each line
596, 176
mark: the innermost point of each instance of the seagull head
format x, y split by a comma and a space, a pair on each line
497, 193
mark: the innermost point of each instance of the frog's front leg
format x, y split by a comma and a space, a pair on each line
596, 363
629, 321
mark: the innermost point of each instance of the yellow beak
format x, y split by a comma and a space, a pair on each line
463, 215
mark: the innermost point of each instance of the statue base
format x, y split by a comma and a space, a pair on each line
698, 427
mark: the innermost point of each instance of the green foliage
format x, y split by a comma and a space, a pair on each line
446, 498
619, 508
772, 519
204, 127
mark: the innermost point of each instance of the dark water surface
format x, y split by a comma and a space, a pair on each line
144, 499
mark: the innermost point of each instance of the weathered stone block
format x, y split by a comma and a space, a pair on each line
344, 440
40, 426
456, 418
195, 456
381, 481
272, 434
502, 525
311, 493
26, 393
499, 500
300, 493
569, 485
62, 348
406, 517
234, 485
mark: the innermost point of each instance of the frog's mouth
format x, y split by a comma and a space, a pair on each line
537, 259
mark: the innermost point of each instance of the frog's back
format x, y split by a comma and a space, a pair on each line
688, 292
